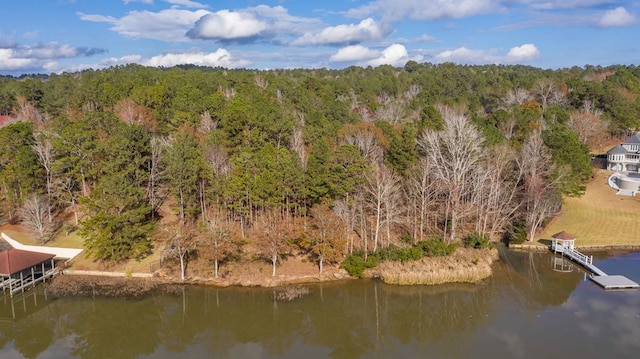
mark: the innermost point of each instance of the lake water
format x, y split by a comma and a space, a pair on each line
529, 309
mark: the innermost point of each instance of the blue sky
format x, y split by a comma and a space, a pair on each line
52, 36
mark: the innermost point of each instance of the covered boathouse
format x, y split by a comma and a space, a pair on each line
20, 269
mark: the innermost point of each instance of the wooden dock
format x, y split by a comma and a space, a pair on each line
598, 275
16, 285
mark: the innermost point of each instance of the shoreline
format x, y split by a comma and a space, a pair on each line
540, 247
464, 267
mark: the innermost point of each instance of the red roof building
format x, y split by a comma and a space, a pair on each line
16, 260
20, 269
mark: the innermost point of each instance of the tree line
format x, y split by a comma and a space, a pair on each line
323, 161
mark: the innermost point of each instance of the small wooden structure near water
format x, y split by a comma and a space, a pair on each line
564, 243
20, 269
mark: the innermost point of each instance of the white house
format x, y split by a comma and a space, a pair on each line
625, 157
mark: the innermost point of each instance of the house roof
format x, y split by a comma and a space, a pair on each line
618, 150
635, 139
564, 236
16, 260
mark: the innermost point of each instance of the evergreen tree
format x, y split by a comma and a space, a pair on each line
118, 226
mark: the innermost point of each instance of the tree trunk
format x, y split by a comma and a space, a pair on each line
274, 259
182, 267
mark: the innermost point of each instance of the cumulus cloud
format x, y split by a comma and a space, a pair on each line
166, 25
10, 62
354, 53
463, 55
427, 10
182, 25
366, 30
15, 57
618, 17
220, 57
395, 55
526, 52
227, 25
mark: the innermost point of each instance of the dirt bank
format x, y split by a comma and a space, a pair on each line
101, 286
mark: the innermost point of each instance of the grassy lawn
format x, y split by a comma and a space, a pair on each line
600, 217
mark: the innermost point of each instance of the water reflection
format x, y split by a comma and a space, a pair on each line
522, 312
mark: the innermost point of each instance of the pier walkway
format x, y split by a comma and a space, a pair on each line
565, 247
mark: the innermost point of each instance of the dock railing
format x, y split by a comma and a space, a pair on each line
579, 257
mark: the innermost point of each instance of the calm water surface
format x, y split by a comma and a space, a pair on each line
529, 309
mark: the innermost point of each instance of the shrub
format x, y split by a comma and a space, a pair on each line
435, 247
517, 235
355, 264
477, 240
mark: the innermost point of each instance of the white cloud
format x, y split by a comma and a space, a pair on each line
187, 3
427, 9
126, 2
220, 57
565, 4
618, 17
227, 25
181, 25
526, 52
96, 18
15, 57
354, 53
366, 30
9, 61
463, 55
394, 55
166, 25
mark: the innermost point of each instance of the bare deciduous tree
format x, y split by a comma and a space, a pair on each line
221, 243
588, 123
454, 154
207, 123
541, 199
326, 236
383, 187
27, 112
368, 138
297, 141
517, 96
273, 237
420, 193
183, 242
496, 190
34, 213
44, 150
392, 112
549, 94
156, 193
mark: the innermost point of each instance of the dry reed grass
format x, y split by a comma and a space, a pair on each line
465, 265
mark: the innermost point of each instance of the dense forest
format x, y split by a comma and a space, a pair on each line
321, 162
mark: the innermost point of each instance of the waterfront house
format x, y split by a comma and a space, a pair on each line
625, 157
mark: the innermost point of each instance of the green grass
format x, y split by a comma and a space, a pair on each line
600, 217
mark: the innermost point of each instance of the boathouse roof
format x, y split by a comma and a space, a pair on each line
565, 236
15, 260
